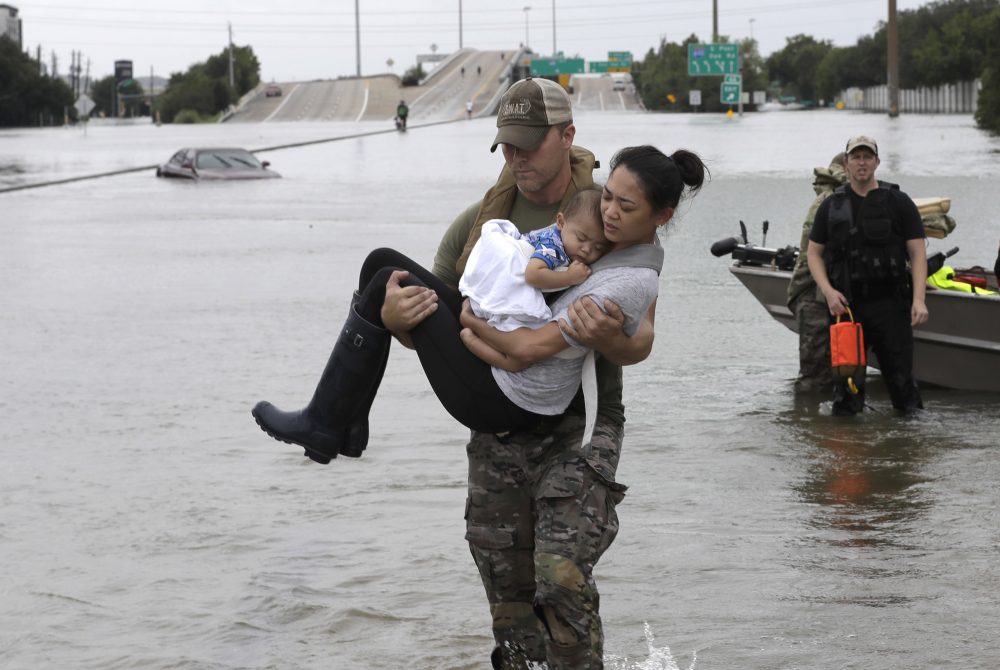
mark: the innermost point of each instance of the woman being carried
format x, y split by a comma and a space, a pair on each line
516, 383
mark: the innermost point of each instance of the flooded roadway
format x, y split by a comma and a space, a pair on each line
148, 523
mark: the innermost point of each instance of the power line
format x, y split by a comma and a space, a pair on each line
406, 24
601, 6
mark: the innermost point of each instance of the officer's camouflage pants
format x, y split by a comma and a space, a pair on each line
813, 319
539, 516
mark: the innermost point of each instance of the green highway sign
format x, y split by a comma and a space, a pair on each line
609, 66
732, 79
543, 67
730, 94
619, 61
713, 59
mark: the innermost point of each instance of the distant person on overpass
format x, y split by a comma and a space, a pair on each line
402, 111
468, 108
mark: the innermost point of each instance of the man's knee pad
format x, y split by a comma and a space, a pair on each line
565, 600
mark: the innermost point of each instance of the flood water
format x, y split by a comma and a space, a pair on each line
146, 522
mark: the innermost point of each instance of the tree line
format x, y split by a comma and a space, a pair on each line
939, 43
28, 97
201, 93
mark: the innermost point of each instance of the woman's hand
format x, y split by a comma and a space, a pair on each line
590, 326
603, 331
490, 355
522, 346
468, 318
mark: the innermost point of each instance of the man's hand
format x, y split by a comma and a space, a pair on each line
836, 302
918, 313
577, 273
406, 306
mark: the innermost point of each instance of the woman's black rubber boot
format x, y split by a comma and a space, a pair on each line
357, 432
351, 376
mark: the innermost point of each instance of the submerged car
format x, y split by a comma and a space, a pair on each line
215, 163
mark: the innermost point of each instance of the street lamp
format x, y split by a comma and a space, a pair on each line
526, 10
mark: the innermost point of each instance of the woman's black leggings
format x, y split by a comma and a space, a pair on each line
463, 382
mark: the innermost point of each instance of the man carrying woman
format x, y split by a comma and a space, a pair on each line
541, 506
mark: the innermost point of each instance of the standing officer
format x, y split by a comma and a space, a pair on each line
541, 508
805, 299
859, 246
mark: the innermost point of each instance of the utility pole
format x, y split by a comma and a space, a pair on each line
526, 10
554, 52
892, 61
232, 78
715, 21
459, 24
357, 35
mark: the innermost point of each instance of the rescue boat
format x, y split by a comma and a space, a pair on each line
958, 347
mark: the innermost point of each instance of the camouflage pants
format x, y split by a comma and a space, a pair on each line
539, 515
813, 319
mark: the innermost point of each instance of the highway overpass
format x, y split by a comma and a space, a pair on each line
468, 74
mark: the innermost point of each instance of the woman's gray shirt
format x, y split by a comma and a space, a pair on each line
548, 386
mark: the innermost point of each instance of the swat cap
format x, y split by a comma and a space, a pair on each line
527, 110
861, 141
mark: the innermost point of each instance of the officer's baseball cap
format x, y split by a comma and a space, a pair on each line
861, 141
527, 110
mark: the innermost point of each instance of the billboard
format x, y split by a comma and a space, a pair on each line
123, 71
123, 74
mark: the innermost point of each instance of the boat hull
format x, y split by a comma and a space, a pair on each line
958, 347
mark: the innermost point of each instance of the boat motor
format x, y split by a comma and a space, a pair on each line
745, 253
750, 254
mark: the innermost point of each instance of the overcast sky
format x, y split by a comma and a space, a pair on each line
314, 39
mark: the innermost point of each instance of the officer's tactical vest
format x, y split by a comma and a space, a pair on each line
869, 252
